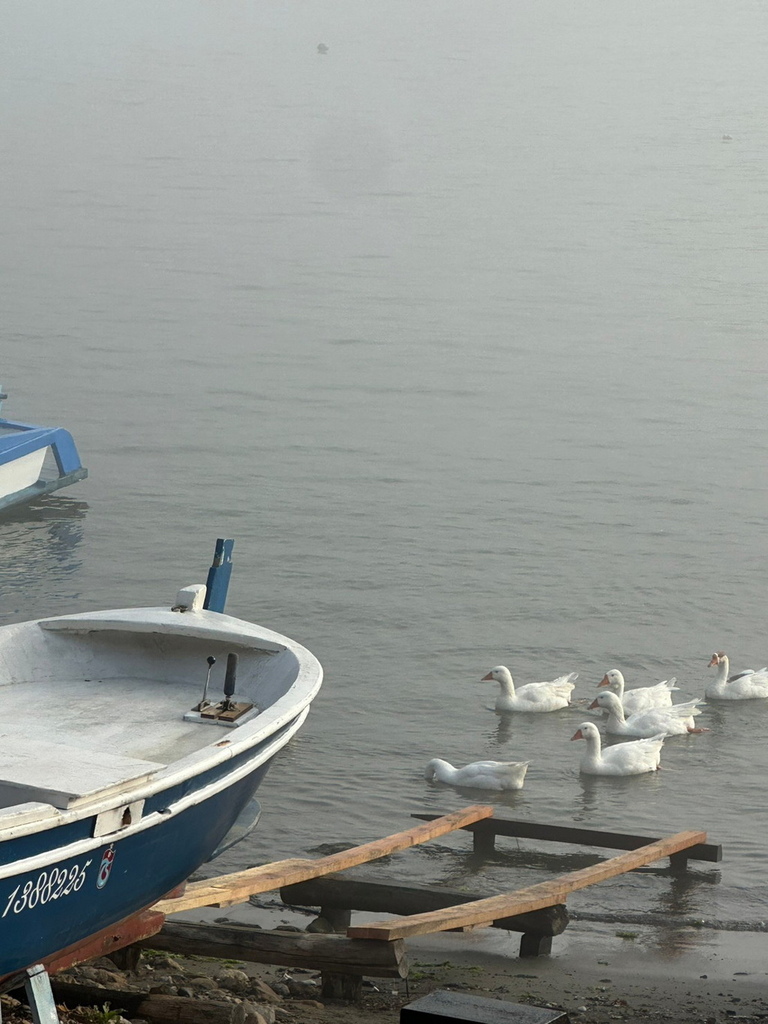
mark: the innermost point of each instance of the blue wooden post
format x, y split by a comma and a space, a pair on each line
218, 576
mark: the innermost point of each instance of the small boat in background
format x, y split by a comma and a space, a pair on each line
23, 471
125, 764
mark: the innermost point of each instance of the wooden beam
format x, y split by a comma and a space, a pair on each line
337, 891
225, 890
239, 886
288, 949
523, 901
567, 834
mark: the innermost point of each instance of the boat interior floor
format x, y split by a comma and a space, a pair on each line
130, 718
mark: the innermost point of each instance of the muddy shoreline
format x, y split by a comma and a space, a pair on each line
598, 972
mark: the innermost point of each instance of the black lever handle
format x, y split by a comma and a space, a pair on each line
231, 676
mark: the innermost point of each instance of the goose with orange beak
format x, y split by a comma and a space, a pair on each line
746, 685
534, 697
633, 758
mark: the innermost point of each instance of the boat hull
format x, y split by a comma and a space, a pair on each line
66, 900
115, 787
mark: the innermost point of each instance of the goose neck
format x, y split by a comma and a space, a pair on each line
616, 712
723, 668
592, 738
506, 682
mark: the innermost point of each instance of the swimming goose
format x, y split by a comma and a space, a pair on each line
533, 696
740, 686
658, 695
497, 775
632, 758
672, 721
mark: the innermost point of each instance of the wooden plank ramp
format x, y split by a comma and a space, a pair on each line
237, 887
523, 901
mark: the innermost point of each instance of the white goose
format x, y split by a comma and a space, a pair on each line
744, 685
496, 775
632, 758
673, 721
533, 696
658, 695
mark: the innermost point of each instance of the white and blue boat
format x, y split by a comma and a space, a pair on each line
27, 452
133, 741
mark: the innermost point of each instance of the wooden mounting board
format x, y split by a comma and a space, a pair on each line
106, 941
239, 886
523, 901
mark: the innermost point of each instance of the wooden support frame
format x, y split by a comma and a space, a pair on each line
239, 886
337, 896
538, 911
544, 894
484, 838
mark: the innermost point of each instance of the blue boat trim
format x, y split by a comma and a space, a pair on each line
20, 439
219, 575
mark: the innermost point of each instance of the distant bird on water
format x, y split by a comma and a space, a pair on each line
322, 48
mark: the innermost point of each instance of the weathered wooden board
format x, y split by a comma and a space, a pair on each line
523, 901
567, 834
395, 898
237, 887
288, 949
156, 1008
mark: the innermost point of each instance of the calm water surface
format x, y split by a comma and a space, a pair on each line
459, 330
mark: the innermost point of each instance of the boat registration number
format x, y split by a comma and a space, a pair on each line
49, 885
